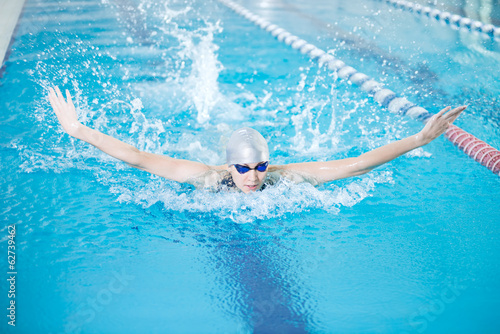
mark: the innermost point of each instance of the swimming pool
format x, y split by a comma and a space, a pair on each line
411, 247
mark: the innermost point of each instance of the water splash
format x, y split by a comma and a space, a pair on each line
198, 52
202, 85
276, 201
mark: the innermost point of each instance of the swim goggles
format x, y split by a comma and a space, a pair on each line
244, 169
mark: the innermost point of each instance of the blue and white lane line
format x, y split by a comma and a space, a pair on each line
453, 20
384, 96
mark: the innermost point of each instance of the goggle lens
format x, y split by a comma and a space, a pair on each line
244, 169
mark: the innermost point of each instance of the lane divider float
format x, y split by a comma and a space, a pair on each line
469, 144
453, 20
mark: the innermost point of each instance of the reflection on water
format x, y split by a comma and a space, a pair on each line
262, 287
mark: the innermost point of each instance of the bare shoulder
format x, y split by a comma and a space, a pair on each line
296, 175
210, 178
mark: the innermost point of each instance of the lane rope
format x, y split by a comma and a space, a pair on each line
469, 144
453, 20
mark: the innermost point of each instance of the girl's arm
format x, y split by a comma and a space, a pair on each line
339, 169
170, 168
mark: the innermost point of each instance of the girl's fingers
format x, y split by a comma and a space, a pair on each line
52, 94
57, 98
452, 115
68, 96
457, 110
53, 99
52, 103
460, 109
443, 111
59, 94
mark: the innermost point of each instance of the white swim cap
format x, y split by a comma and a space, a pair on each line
246, 146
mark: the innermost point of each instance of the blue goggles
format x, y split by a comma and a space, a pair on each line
259, 168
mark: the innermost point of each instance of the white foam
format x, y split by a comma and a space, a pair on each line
273, 202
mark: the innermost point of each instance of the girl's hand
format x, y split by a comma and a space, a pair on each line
65, 111
439, 123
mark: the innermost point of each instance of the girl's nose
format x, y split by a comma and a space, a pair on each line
252, 174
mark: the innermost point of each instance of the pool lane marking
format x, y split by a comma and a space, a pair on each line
453, 20
384, 96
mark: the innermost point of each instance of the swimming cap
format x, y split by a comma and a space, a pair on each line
246, 146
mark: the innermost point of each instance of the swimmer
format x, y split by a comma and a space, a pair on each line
247, 167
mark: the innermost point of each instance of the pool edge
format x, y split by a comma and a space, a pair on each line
10, 11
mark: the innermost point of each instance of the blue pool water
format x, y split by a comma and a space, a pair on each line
411, 247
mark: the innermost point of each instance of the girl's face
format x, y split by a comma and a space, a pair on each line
250, 181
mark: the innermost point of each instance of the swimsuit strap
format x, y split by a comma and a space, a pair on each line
228, 181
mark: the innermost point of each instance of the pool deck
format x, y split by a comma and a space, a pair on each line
10, 10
